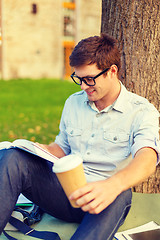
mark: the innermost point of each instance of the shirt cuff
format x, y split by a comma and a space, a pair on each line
147, 143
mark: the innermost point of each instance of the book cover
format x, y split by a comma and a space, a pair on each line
130, 233
147, 235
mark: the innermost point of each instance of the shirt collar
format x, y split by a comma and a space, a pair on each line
121, 101
119, 104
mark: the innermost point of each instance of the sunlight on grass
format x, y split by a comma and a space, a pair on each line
31, 109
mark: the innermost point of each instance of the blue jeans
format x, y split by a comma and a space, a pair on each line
21, 172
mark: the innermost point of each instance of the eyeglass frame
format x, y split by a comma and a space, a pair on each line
83, 80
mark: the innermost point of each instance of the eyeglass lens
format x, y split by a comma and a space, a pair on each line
87, 80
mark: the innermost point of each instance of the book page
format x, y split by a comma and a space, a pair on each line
34, 149
22, 200
5, 145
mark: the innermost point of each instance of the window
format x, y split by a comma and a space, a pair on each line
34, 8
68, 34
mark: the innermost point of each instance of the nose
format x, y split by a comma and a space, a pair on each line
84, 86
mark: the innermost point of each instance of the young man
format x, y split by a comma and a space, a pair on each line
103, 124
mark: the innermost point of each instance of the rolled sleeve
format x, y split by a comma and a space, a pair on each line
62, 143
147, 143
61, 138
146, 132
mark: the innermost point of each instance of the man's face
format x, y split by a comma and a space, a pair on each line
104, 89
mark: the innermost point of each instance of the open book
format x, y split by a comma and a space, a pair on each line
31, 147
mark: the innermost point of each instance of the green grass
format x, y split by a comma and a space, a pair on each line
31, 109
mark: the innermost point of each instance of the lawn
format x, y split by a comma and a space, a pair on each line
31, 109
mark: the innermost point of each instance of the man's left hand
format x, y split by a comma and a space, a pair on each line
96, 196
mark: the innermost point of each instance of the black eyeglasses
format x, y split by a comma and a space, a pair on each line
90, 81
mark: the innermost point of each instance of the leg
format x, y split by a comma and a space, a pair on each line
103, 226
21, 172
10, 185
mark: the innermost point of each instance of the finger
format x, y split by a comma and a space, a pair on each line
97, 210
85, 199
90, 207
96, 203
100, 207
80, 192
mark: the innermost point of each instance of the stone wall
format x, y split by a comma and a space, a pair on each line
88, 18
32, 46
33, 43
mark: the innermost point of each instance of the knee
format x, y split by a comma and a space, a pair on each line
13, 167
11, 159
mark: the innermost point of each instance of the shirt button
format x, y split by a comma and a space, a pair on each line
88, 153
71, 132
98, 115
115, 138
93, 135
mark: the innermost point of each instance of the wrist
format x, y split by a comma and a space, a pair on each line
56, 150
117, 183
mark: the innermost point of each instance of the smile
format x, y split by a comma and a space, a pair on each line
90, 93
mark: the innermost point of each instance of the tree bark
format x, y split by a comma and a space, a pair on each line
136, 25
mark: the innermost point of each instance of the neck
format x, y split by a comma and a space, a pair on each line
109, 99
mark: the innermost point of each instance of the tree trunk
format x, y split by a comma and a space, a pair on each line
136, 25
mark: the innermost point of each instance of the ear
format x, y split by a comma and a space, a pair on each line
114, 69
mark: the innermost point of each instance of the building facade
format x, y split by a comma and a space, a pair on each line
38, 36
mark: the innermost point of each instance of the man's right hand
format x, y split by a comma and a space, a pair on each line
53, 148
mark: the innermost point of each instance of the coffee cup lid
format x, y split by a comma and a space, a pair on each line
67, 163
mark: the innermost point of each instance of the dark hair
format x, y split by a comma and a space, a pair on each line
101, 50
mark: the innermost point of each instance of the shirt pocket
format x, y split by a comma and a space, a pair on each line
116, 144
74, 138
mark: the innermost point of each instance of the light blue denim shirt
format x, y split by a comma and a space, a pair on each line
104, 139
